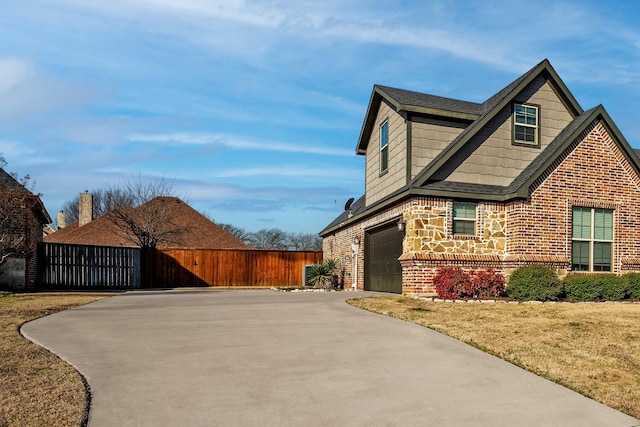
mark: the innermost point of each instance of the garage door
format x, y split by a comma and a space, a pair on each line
383, 271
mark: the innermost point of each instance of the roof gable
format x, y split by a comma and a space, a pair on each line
491, 107
406, 101
520, 186
8, 184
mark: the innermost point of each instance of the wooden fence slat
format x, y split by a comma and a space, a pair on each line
225, 267
81, 266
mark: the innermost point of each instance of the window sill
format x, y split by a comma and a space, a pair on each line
525, 144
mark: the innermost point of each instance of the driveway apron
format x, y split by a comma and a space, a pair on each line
266, 358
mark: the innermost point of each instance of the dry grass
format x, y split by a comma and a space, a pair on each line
591, 348
36, 387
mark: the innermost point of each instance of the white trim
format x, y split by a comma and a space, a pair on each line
526, 125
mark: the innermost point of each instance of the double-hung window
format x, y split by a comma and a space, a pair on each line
525, 124
592, 239
464, 218
384, 147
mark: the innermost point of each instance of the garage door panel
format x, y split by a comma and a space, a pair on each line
383, 271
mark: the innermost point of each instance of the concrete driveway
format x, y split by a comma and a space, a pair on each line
265, 358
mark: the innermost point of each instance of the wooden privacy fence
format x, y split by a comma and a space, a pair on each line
80, 266
222, 267
66, 266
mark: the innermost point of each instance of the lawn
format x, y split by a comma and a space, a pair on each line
592, 348
37, 388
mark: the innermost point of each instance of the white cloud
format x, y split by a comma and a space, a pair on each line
26, 94
236, 143
13, 71
15, 150
302, 171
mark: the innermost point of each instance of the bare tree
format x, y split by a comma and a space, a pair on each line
23, 181
18, 230
273, 238
304, 242
238, 232
141, 213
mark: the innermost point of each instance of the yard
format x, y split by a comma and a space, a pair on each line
592, 348
38, 388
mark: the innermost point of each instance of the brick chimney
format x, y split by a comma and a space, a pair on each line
60, 220
85, 204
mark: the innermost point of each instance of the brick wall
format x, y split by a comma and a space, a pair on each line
593, 173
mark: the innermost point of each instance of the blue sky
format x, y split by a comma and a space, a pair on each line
253, 108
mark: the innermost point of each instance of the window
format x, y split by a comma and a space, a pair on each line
384, 146
464, 218
592, 239
525, 124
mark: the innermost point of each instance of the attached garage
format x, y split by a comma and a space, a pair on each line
382, 270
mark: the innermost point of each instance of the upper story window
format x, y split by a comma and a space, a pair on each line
384, 146
464, 218
591, 239
526, 124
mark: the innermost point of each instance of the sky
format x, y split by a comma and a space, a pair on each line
252, 109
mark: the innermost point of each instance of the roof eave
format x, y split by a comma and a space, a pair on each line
469, 195
420, 192
372, 210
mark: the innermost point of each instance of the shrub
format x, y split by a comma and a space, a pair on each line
534, 282
452, 283
632, 281
487, 284
455, 283
614, 288
583, 287
325, 275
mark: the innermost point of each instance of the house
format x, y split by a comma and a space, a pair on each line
22, 220
181, 225
526, 177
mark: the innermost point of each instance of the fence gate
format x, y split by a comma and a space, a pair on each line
80, 266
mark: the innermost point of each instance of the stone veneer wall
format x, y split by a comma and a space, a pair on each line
430, 243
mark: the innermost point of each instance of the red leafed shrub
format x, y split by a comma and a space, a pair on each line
455, 283
451, 282
488, 284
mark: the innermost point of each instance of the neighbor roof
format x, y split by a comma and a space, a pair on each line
8, 185
198, 231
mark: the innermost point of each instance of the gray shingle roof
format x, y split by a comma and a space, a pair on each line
423, 100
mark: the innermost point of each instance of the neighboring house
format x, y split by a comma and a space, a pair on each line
194, 230
526, 177
22, 220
